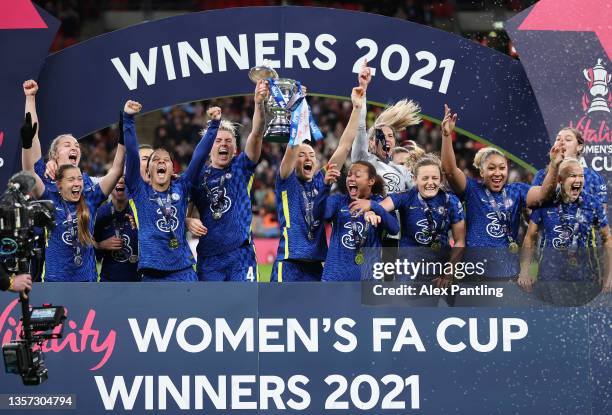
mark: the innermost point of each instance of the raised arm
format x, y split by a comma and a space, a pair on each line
28, 131
322, 209
30, 88
253, 144
202, 150
359, 149
287, 164
456, 178
539, 194
350, 131
108, 182
132, 157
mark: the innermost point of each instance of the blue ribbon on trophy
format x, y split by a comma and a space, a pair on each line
292, 119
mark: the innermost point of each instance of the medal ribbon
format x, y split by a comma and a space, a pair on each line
166, 210
76, 247
505, 225
118, 225
215, 200
579, 219
308, 214
431, 224
359, 240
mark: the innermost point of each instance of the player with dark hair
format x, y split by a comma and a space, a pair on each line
161, 204
117, 238
350, 255
494, 207
568, 224
594, 183
303, 245
222, 195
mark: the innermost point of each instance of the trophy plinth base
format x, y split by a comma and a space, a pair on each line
278, 131
283, 139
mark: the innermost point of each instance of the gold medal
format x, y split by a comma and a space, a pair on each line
133, 259
436, 245
174, 243
359, 258
514, 248
573, 261
217, 215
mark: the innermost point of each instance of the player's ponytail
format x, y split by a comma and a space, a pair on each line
397, 117
378, 188
83, 219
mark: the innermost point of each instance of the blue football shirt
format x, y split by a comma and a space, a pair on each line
569, 230
292, 195
232, 186
122, 264
61, 249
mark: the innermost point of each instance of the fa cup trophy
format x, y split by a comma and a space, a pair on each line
599, 79
279, 128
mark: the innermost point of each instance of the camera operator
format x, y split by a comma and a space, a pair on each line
15, 283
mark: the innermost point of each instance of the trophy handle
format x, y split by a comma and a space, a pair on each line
585, 72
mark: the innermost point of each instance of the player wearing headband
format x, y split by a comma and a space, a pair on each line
303, 245
494, 207
350, 255
568, 223
222, 196
161, 204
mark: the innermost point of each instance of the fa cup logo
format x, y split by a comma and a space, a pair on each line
598, 83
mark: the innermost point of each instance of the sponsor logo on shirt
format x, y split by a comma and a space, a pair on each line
123, 254
494, 228
423, 236
564, 233
164, 224
392, 182
226, 202
348, 238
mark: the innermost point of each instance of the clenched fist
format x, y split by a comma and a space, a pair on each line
214, 113
30, 87
132, 107
261, 91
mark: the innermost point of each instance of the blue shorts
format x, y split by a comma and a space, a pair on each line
183, 275
237, 265
296, 271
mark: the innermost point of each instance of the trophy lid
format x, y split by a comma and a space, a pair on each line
262, 72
